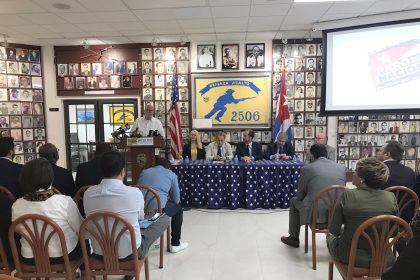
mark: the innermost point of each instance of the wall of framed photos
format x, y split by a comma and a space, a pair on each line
22, 99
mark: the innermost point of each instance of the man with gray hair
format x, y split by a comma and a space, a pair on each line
321, 138
142, 126
219, 149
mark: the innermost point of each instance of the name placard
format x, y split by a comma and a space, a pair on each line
142, 141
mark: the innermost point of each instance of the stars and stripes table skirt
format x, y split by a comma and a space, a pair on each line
261, 184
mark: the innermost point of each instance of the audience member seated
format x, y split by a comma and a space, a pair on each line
36, 181
63, 179
219, 149
112, 195
357, 205
194, 149
90, 173
248, 150
407, 266
165, 182
391, 154
314, 177
9, 177
322, 139
281, 149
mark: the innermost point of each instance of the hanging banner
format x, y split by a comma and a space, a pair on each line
121, 115
232, 100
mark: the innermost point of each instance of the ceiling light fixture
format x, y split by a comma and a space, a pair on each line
154, 42
309, 38
182, 41
61, 6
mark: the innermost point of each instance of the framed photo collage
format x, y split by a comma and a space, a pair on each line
21, 99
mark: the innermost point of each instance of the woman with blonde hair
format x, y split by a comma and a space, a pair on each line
194, 149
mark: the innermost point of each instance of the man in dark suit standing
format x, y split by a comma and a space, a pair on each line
281, 149
391, 154
9, 175
90, 173
314, 177
63, 179
248, 150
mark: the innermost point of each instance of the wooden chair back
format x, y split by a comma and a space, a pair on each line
78, 199
38, 231
106, 229
152, 202
5, 267
381, 233
406, 198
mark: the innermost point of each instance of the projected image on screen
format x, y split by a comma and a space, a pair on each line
372, 69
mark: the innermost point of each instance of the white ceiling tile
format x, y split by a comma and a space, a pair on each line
252, 28
230, 11
308, 9
196, 23
260, 35
83, 17
230, 29
416, 5
28, 29
94, 26
349, 7
103, 5
294, 34
60, 42
48, 5
154, 14
117, 16
290, 20
259, 2
232, 37
229, 3
211, 37
176, 13
141, 39
161, 24
227, 22
198, 30
46, 35
116, 40
386, 6
134, 32
170, 38
264, 21
269, 10
123, 26
154, 4
62, 28
43, 18
107, 33
80, 34
10, 20
296, 27
19, 6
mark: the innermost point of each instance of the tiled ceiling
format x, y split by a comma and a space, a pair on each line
132, 21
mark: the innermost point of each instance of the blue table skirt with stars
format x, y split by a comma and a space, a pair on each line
261, 184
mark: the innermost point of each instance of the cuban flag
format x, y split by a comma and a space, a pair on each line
282, 121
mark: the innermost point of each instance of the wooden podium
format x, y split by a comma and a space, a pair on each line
142, 153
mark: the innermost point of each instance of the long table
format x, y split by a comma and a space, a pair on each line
261, 184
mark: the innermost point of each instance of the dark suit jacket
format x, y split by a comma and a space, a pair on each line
63, 180
401, 175
9, 174
287, 149
256, 150
186, 152
407, 266
89, 173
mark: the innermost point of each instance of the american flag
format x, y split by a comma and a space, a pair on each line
282, 122
175, 121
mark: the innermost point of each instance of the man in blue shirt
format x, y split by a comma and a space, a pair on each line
165, 182
112, 195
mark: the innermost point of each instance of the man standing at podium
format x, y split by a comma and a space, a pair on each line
143, 125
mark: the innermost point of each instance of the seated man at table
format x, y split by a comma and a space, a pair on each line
313, 178
219, 149
248, 150
165, 183
281, 149
114, 196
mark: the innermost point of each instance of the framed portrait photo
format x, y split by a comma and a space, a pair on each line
230, 57
206, 55
255, 55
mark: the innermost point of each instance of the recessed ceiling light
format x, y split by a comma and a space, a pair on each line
61, 6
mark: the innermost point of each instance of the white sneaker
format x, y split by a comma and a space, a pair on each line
182, 246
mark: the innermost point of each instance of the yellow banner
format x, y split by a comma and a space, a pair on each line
121, 115
232, 100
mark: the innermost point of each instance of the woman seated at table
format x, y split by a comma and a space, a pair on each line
356, 206
194, 149
281, 149
35, 180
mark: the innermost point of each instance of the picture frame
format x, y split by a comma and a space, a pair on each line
36, 69
85, 115
74, 69
127, 81
132, 68
206, 56
97, 69
255, 56
230, 57
146, 54
34, 56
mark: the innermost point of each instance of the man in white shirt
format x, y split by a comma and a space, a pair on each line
219, 149
143, 125
113, 195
